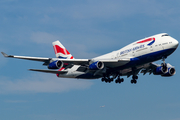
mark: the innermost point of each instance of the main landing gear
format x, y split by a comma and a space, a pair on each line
134, 79
119, 80
107, 79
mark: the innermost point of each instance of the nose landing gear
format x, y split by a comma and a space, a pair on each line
164, 65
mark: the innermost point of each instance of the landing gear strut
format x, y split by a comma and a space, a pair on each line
163, 59
164, 65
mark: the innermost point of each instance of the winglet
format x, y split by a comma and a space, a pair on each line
4, 54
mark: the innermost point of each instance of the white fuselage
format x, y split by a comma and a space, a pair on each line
145, 50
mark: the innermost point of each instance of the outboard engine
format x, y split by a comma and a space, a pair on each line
55, 65
171, 71
98, 65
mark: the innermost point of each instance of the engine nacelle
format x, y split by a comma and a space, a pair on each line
171, 71
160, 70
98, 65
55, 65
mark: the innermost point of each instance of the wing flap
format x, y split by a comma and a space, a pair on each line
150, 68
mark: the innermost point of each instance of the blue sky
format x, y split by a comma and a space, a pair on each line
87, 28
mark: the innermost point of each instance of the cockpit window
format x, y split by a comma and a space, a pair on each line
165, 35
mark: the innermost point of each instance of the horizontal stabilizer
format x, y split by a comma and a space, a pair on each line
49, 71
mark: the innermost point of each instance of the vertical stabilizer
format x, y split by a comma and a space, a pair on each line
61, 51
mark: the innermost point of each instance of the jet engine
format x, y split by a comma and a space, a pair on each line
171, 71
161, 70
55, 65
98, 65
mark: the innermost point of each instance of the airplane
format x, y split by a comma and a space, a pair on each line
135, 58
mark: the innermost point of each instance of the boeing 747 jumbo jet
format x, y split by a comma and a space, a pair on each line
131, 60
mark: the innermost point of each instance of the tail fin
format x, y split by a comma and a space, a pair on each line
61, 51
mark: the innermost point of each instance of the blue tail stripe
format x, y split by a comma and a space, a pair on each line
62, 57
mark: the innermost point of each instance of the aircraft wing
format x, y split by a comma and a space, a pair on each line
48, 60
26, 57
152, 67
108, 63
49, 71
149, 69
84, 62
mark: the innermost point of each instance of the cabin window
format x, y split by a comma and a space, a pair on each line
164, 43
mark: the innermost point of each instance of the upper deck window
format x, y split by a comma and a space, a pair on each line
165, 35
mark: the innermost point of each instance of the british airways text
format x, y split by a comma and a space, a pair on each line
132, 49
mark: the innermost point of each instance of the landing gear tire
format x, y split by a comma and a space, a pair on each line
134, 77
103, 79
122, 79
116, 81
133, 81
119, 80
107, 80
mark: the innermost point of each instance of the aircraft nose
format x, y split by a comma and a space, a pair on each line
176, 43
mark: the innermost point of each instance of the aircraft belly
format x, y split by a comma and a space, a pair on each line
157, 55
88, 76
